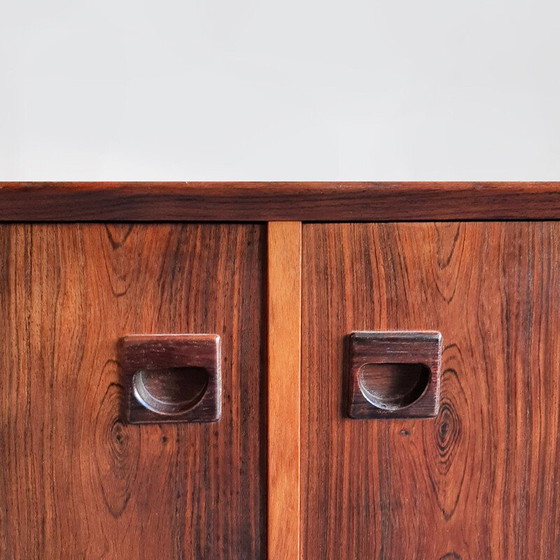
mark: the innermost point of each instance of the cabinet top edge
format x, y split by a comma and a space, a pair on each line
277, 201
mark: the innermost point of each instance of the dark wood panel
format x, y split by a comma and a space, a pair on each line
67, 202
76, 481
481, 479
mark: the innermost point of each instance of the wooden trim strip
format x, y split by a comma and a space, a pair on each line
284, 381
277, 201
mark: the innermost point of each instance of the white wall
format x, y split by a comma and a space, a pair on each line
279, 90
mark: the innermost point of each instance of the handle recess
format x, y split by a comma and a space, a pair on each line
171, 377
393, 374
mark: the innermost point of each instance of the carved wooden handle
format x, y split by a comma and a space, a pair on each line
394, 374
171, 378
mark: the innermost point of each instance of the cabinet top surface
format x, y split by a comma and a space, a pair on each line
278, 201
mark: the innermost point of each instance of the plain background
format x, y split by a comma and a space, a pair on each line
285, 90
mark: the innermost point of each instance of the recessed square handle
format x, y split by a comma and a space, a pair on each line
171, 377
393, 374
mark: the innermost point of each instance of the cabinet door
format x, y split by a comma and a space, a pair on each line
76, 481
479, 481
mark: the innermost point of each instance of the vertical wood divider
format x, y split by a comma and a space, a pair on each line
284, 382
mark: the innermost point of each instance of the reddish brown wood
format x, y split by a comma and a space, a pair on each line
393, 374
76, 480
219, 202
171, 378
478, 481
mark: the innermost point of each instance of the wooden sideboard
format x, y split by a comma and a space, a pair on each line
316, 371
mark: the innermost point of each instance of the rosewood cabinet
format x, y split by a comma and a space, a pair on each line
479, 480
77, 480
286, 371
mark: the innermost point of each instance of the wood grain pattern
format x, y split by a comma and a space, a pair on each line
252, 202
171, 377
284, 381
78, 482
393, 374
480, 481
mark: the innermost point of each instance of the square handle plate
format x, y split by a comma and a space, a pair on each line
171, 377
393, 374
